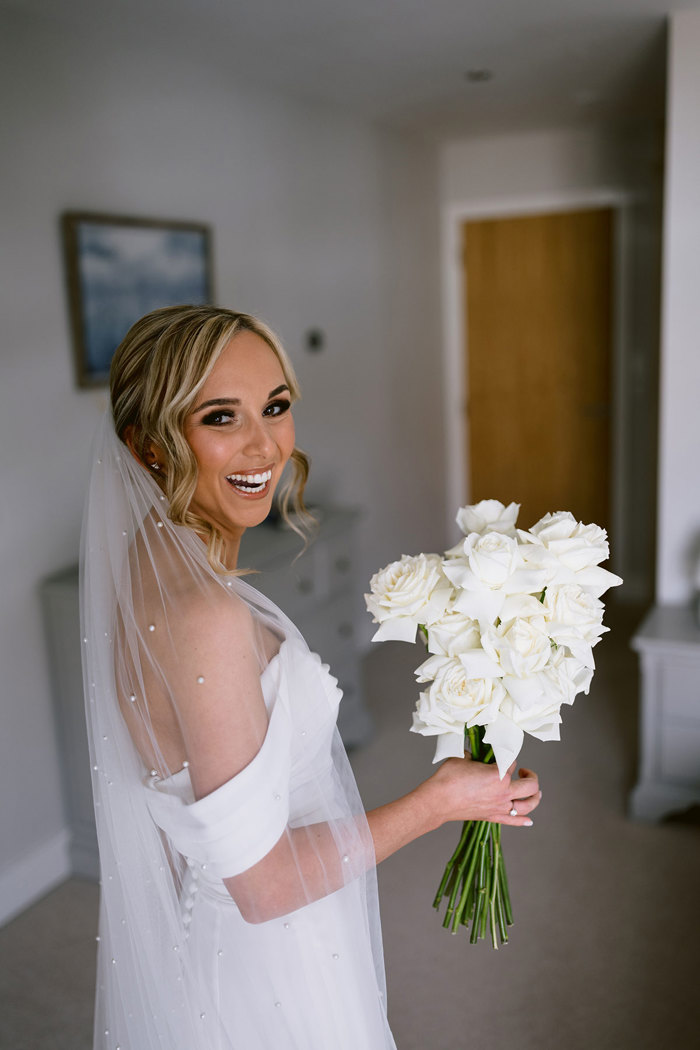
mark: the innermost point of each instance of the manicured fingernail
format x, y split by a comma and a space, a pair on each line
528, 824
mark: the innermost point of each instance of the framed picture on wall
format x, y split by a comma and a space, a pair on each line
119, 269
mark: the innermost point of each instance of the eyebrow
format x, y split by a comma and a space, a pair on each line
222, 402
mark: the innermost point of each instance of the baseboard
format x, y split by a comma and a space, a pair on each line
30, 878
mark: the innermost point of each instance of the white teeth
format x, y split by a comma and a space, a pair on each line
250, 482
256, 479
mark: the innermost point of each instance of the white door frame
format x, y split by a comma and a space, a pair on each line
454, 327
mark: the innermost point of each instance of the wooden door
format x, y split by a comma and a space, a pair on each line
538, 295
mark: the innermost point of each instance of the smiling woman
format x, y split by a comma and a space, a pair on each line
199, 396
239, 904
242, 435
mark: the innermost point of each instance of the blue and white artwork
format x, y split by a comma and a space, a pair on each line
125, 271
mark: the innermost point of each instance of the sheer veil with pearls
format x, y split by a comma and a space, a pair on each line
245, 916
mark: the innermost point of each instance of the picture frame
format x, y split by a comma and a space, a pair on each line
119, 268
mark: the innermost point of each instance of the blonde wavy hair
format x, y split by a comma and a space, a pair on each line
156, 374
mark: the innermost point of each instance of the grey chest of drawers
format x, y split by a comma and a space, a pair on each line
318, 591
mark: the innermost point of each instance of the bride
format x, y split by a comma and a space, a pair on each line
239, 902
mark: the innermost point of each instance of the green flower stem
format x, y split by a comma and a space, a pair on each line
479, 913
469, 857
449, 876
494, 891
469, 905
475, 881
505, 894
454, 860
501, 915
472, 856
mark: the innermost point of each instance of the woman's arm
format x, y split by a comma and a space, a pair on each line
224, 721
458, 790
306, 863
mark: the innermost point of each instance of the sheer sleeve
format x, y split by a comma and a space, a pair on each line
236, 825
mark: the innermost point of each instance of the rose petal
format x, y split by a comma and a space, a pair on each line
525, 692
484, 606
506, 739
449, 745
478, 664
399, 629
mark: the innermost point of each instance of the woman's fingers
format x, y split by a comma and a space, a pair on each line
525, 786
524, 774
517, 816
524, 796
474, 791
526, 805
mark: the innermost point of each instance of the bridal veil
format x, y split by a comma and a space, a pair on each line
185, 960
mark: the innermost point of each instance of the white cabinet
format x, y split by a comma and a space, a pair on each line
319, 591
668, 643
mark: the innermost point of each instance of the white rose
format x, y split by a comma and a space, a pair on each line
524, 607
520, 646
410, 591
575, 544
490, 568
488, 516
453, 633
453, 701
469, 701
574, 619
565, 676
493, 558
566, 551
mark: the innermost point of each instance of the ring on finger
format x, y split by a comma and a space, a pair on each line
513, 812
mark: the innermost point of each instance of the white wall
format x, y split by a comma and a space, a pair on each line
540, 164
309, 208
555, 169
679, 422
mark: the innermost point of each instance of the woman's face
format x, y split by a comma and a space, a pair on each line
242, 434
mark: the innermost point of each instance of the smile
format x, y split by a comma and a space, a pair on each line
250, 484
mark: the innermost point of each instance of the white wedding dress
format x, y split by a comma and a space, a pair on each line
337, 1001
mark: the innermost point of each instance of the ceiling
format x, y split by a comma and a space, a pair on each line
553, 63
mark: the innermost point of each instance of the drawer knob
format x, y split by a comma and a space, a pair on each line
343, 563
345, 630
305, 585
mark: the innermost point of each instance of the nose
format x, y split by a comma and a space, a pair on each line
259, 441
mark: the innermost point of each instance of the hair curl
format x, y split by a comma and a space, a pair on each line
156, 374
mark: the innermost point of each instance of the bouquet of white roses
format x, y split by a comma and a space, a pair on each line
510, 619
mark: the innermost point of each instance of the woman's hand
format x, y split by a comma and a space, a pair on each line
465, 790
458, 790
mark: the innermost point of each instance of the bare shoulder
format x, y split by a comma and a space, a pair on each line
216, 685
211, 616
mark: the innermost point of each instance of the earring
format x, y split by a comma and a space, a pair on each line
154, 466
